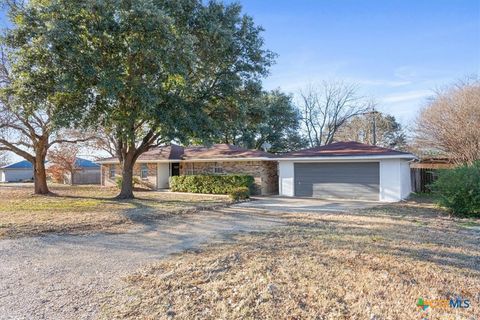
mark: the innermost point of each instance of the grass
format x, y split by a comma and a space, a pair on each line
80, 209
370, 264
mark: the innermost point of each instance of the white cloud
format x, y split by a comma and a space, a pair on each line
407, 96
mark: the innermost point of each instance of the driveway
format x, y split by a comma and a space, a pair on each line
307, 205
65, 276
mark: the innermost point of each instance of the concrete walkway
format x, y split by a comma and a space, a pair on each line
65, 276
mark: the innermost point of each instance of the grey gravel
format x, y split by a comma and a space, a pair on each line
66, 276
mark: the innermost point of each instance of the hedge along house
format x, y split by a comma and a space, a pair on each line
154, 167
346, 170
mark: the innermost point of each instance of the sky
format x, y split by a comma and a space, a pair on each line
397, 51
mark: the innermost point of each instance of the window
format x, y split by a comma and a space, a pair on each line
190, 168
217, 168
111, 173
144, 171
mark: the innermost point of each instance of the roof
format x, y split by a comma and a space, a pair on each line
24, 164
216, 151
345, 149
84, 163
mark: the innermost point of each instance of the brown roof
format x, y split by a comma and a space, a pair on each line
216, 151
340, 149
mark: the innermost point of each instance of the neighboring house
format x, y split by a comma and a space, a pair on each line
156, 166
18, 171
86, 172
344, 170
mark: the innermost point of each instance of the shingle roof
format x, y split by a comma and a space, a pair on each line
216, 151
24, 164
340, 149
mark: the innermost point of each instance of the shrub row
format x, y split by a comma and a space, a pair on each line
458, 189
217, 184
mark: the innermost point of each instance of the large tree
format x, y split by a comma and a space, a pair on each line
146, 71
26, 125
268, 120
450, 123
374, 128
325, 108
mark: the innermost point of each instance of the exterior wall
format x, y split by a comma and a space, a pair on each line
394, 179
14, 175
85, 176
264, 172
150, 182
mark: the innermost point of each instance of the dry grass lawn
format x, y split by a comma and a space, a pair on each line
371, 264
80, 209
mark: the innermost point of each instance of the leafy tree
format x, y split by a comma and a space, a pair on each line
269, 121
26, 125
388, 132
145, 71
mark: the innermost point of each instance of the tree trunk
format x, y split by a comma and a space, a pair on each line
126, 191
40, 176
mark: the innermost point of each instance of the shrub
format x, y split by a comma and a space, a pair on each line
118, 181
458, 189
239, 193
217, 184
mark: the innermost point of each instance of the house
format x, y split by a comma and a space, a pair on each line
156, 166
86, 172
18, 171
344, 170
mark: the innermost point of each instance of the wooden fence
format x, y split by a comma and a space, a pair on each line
422, 178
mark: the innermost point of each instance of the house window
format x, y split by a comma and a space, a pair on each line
217, 168
111, 173
144, 171
190, 169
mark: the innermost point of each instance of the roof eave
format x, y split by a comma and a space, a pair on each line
364, 157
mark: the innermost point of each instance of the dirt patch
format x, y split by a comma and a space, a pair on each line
84, 209
371, 264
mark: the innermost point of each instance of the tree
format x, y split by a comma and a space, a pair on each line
146, 71
269, 121
4, 158
26, 126
388, 132
326, 108
450, 123
63, 160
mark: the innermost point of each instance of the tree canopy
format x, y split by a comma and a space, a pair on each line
144, 71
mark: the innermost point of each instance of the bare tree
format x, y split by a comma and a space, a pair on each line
63, 161
450, 123
326, 108
25, 130
3, 158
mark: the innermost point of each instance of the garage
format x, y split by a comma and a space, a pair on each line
347, 180
345, 170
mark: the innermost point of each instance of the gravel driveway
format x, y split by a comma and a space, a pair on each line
65, 276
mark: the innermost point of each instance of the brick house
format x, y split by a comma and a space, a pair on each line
155, 167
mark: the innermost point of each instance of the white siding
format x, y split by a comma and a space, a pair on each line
406, 179
285, 178
163, 173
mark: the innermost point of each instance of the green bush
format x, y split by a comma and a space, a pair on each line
458, 189
240, 193
217, 184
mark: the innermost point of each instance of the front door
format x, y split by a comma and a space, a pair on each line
175, 169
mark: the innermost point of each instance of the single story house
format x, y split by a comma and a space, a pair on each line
16, 172
86, 172
344, 170
156, 166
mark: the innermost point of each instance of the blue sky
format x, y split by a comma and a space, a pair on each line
397, 51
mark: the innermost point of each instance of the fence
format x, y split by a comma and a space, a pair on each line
422, 178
